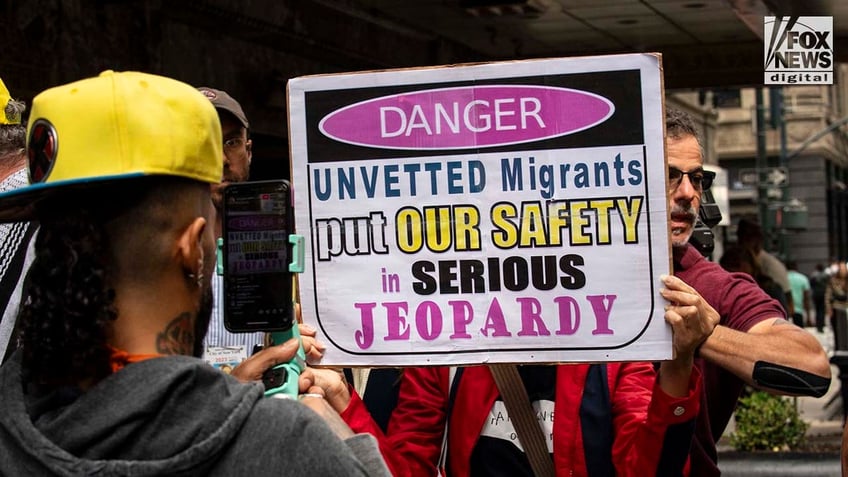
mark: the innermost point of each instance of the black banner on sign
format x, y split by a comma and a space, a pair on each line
622, 88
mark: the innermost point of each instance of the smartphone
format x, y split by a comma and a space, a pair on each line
256, 222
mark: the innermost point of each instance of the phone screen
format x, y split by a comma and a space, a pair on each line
256, 249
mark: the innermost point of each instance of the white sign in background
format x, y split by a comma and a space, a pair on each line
457, 252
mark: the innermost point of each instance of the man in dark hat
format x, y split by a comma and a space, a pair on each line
226, 347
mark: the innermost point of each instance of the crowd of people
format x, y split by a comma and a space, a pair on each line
123, 176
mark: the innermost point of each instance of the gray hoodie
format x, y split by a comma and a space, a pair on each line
170, 416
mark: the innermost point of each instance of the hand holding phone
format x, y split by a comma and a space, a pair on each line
282, 378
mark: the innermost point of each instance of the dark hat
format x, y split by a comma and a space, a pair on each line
749, 228
222, 100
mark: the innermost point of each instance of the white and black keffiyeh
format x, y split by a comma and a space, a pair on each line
14, 240
11, 234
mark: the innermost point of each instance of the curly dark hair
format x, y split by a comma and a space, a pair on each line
68, 304
13, 136
89, 240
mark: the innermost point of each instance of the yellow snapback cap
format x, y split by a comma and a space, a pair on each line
115, 126
5, 97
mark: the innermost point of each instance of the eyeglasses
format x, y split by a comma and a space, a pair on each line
233, 143
701, 180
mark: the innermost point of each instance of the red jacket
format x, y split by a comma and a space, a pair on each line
639, 423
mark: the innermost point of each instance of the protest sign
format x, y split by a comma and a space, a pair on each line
497, 212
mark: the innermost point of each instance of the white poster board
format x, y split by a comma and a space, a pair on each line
497, 212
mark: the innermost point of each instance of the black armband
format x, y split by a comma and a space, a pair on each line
789, 380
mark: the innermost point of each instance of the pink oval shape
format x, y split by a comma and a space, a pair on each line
466, 117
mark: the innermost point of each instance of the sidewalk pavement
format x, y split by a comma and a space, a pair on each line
824, 415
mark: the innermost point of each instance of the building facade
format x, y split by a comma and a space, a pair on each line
797, 189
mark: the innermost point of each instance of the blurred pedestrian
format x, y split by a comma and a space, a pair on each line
749, 234
818, 285
742, 260
836, 303
801, 295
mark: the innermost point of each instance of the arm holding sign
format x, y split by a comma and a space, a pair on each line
654, 415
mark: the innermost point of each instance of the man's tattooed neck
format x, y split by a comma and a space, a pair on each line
178, 336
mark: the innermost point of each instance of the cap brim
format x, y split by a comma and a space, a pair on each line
19, 205
239, 119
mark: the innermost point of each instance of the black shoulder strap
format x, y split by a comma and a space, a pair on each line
453, 384
381, 394
596, 422
10, 277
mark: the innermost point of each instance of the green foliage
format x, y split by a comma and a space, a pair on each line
767, 422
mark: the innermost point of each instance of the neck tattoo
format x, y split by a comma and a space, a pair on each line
178, 336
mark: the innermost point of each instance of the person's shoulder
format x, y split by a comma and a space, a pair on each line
187, 379
692, 267
16, 180
723, 289
274, 408
687, 258
767, 260
285, 435
281, 416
